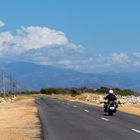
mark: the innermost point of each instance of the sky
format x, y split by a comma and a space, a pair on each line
83, 35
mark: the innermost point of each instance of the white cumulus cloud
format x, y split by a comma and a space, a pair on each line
35, 43
36, 38
47, 46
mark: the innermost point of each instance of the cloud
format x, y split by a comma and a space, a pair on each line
136, 54
5, 37
38, 44
47, 46
2, 24
120, 58
36, 38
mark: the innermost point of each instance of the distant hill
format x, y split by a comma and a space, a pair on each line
36, 76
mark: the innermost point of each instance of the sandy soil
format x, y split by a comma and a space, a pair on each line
19, 121
133, 109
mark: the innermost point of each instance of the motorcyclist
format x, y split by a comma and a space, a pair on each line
110, 97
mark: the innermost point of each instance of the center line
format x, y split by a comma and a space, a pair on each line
105, 119
86, 110
75, 106
135, 130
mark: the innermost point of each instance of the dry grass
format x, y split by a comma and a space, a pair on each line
18, 120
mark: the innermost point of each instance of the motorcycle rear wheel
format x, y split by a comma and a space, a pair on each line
110, 113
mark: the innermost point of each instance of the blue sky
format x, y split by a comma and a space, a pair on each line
103, 32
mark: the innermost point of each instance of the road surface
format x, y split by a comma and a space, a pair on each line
65, 120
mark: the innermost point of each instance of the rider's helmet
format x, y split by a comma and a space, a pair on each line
111, 91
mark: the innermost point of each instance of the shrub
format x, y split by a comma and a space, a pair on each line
70, 91
117, 91
48, 91
102, 90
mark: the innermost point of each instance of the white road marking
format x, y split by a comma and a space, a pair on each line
86, 110
74, 106
138, 131
68, 103
105, 119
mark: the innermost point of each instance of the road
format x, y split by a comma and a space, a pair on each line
65, 120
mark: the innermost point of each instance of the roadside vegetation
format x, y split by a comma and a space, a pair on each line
68, 91
73, 91
117, 91
78, 91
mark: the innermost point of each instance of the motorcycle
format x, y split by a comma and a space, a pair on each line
110, 107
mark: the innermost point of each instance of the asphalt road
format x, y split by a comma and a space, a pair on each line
65, 120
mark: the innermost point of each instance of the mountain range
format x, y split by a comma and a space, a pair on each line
35, 76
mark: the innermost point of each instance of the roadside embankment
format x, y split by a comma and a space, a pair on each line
18, 119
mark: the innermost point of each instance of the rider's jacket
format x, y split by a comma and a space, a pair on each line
111, 97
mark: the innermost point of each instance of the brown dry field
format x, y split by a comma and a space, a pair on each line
19, 121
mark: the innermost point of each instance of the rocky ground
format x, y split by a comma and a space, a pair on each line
128, 100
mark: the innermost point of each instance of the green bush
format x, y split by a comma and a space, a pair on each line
102, 90
126, 92
117, 91
76, 91
70, 91
48, 91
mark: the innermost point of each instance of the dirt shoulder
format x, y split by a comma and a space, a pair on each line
132, 109
18, 120
97, 100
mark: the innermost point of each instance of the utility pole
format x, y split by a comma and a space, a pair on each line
3, 83
11, 83
14, 86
